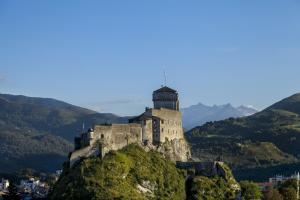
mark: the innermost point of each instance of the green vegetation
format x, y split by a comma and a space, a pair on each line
250, 191
130, 173
38, 133
273, 194
268, 138
215, 188
285, 191
238, 153
289, 193
289, 190
43, 152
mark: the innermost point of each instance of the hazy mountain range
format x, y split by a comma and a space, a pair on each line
199, 114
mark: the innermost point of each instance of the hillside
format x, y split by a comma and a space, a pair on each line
197, 115
40, 131
132, 173
272, 134
47, 116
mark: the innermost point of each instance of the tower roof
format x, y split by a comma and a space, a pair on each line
165, 89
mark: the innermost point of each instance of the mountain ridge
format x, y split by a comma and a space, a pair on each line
32, 128
199, 114
275, 130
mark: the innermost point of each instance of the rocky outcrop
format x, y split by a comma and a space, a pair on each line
174, 150
147, 188
211, 170
129, 173
80, 154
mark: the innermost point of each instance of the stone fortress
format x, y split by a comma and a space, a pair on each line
158, 128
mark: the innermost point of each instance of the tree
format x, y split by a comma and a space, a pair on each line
289, 189
273, 194
289, 183
288, 193
12, 193
250, 191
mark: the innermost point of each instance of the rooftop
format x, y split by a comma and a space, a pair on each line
165, 89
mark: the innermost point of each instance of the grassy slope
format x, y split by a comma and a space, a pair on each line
117, 177
38, 133
47, 116
119, 173
44, 153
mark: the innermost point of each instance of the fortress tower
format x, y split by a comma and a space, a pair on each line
166, 97
159, 127
163, 122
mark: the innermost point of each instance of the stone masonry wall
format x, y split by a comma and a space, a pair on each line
117, 136
170, 124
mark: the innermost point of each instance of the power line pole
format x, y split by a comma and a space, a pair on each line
298, 185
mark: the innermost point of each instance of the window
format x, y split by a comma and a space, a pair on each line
162, 121
102, 136
162, 130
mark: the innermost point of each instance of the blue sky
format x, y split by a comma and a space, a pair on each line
110, 55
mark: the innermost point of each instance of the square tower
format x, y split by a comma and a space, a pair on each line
166, 97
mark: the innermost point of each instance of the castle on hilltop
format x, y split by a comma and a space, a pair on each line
158, 128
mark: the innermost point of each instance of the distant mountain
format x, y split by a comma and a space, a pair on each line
267, 138
38, 133
197, 115
247, 110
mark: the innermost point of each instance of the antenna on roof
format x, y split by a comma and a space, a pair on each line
165, 76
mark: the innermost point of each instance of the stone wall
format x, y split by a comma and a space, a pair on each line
169, 124
147, 130
105, 138
117, 136
85, 152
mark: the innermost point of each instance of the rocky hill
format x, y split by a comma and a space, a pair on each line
267, 138
197, 115
40, 131
132, 173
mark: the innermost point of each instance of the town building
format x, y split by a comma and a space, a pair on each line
4, 184
33, 187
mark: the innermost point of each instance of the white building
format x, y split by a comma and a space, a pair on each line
29, 185
4, 184
279, 179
